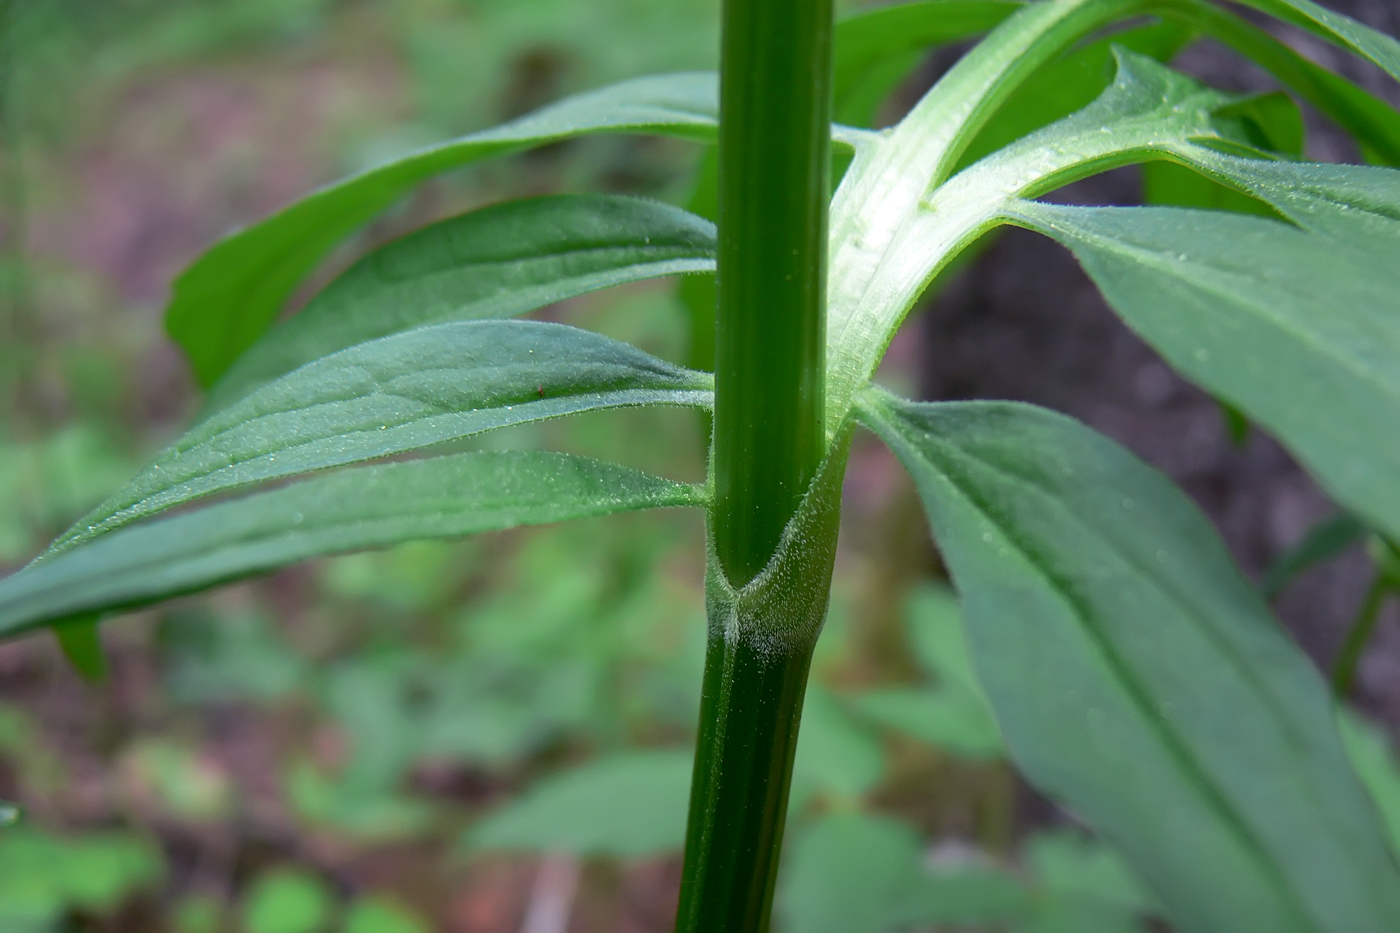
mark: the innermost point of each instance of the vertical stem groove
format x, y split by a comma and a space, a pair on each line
768, 441
774, 170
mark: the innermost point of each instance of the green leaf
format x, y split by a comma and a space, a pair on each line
1138, 678
626, 805
1067, 84
229, 296
1299, 329
382, 915
1073, 865
1269, 122
954, 714
876, 48
288, 901
497, 262
946, 719
1373, 757
81, 642
836, 754
861, 872
893, 235
1371, 120
1344, 31
392, 395
1325, 540
355, 509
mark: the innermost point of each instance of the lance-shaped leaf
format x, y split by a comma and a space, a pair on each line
1298, 329
230, 295
397, 394
351, 510
1371, 120
875, 49
1138, 678
496, 262
1336, 28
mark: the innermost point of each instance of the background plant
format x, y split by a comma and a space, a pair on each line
1326, 226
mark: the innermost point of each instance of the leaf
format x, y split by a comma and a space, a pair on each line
836, 754
892, 235
876, 48
861, 872
497, 262
288, 901
382, 915
948, 720
81, 642
1073, 865
1325, 540
1297, 329
1371, 120
1067, 84
1138, 678
627, 805
1344, 31
355, 509
393, 395
1269, 122
1373, 757
229, 296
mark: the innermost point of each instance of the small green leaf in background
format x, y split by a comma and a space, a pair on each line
212, 659
953, 713
198, 913
1329, 538
847, 874
42, 876
1074, 866
864, 873
628, 804
81, 641
836, 754
379, 914
287, 901
368, 813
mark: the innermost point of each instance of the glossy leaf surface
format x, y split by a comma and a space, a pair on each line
497, 262
393, 395
355, 509
1138, 678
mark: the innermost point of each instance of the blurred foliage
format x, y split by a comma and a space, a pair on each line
253, 753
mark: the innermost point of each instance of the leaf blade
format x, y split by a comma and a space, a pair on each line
500, 261
1296, 328
230, 294
394, 395
1138, 677
629, 804
354, 509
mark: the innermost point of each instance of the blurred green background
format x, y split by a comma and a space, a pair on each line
490, 735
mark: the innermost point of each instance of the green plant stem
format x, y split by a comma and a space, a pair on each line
749, 715
768, 443
1344, 669
774, 169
